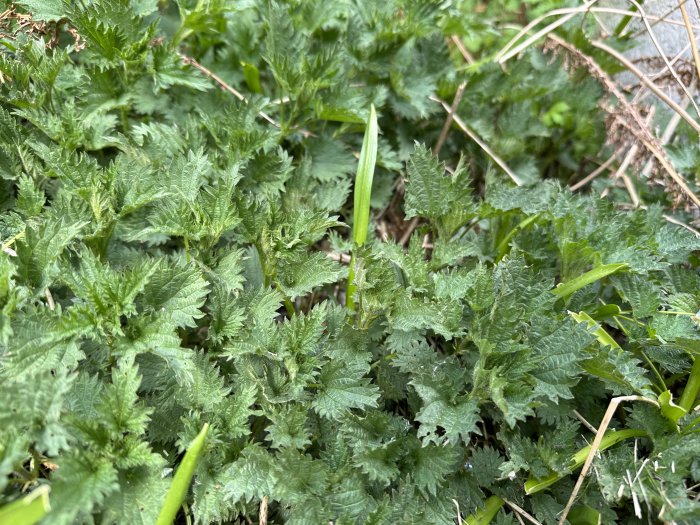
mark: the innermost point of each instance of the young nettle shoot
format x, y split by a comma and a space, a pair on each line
363, 193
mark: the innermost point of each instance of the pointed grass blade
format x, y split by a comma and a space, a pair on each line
363, 193
181, 481
28, 510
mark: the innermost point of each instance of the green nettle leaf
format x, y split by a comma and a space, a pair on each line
178, 291
456, 419
225, 297
344, 386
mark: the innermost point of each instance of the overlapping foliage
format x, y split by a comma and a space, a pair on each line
164, 266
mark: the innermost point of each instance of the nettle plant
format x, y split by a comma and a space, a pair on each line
171, 278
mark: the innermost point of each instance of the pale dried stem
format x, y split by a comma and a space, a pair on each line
226, 87
262, 514
436, 150
500, 162
507, 53
666, 137
600, 169
585, 422
637, 127
468, 58
522, 512
612, 407
49, 299
631, 155
448, 121
342, 258
691, 36
653, 87
460, 521
675, 221
663, 56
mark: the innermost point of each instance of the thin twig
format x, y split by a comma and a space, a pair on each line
600, 169
481, 143
522, 512
612, 407
663, 56
585, 422
468, 58
691, 36
226, 87
653, 87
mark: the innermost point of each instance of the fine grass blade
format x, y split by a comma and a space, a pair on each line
569, 287
27, 510
363, 193
181, 481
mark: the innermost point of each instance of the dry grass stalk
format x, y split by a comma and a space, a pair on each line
226, 87
262, 514
663, 56
627, 115
522, 512
600, 169
607, 417
691, 35
461, 125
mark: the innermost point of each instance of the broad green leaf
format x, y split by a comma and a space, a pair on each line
27, 510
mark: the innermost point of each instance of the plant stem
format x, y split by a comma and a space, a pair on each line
533, 485
485, 516
692, 387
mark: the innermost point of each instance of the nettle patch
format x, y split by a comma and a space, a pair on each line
184, 270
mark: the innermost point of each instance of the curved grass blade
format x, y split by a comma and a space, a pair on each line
363, 193
533, 485
596, 274
181, 481
485, 516
28, 510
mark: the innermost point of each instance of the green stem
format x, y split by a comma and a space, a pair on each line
351, 288
485, 516
611, 438
289, 306
692, 387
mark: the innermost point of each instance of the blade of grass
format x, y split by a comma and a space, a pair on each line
533, 485
485, 516
181, 481
692, 388
569, 287
27, 510
363, 193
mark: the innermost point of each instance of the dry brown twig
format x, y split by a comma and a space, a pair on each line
461, 125
436, 151
187, 60
691, 36
522, 512
600, 169
607, 417
627, 115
